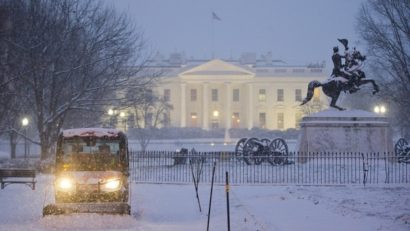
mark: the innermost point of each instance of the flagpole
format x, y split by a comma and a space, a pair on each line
212, 37
214, 17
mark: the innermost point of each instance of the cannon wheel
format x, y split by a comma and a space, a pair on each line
239, 148
402, 151
249, 150
278, 151
239, 151
400, 147
260, 156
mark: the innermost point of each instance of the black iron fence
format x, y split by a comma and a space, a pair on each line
295, 168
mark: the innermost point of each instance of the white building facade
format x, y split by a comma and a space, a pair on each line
226, 94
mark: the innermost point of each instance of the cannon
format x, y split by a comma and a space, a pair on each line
256, 151
402, 151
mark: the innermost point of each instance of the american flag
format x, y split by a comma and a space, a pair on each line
214, 16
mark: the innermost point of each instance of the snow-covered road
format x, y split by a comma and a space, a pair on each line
166, 207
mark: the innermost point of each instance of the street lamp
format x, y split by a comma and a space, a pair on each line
380, 109
24, 123
111, 114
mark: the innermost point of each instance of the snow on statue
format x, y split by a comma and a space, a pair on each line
345, 77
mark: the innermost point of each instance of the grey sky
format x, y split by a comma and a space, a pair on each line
296, 31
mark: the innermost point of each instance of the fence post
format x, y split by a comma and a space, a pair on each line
210, 196
227, 200
364, 169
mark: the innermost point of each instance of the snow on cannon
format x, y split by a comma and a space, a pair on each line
91, 172
255, 151
402, 151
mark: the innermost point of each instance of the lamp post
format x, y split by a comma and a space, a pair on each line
24, 123
123, 120
111, 113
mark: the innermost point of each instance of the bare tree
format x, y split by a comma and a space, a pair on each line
10, 105
151, 111
385, 27
69, 56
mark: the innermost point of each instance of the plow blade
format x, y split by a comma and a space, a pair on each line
103, 208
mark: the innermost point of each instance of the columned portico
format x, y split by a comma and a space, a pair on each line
228, 109
205, 106
250, 107
183, 104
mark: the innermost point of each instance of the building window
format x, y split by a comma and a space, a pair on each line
235, 120
280, 95
235, 95
298, 95
194, 119
167, 95
262, 120
262, 95
193, 94
281, 120
214, 95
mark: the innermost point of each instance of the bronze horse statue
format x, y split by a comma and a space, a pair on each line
335, 85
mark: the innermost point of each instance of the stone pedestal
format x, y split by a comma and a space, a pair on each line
345, 131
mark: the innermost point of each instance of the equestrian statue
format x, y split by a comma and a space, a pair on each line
347, 77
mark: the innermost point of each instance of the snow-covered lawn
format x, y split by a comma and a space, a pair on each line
174, 207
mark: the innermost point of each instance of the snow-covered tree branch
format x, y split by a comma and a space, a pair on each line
66, 55
385, 26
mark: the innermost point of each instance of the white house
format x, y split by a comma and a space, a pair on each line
236, 94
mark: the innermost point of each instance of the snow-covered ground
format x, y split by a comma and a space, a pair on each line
173, 207
169, 207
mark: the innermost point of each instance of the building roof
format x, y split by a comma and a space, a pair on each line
95, 132
219, 67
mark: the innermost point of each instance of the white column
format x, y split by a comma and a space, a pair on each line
183, 105
205, 107
250, 107
228, 105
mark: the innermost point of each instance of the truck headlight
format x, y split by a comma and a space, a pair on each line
65, 184
111, 185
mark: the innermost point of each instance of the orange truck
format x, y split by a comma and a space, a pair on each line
91, 172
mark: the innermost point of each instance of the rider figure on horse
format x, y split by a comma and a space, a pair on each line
350, 70
343, 70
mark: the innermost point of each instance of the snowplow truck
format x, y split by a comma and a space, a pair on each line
91, 172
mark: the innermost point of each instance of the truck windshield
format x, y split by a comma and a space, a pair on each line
91, 154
